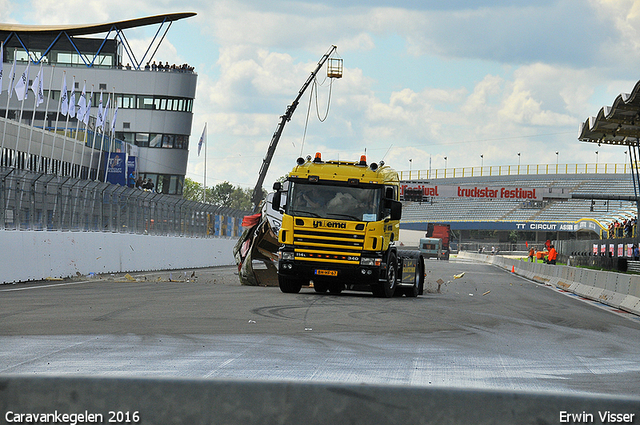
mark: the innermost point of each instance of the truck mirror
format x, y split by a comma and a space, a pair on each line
277, 186
393, 209
275, 202
396, 210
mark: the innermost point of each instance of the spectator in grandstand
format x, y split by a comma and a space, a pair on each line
552, 256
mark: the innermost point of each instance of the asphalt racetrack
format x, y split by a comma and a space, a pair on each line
488, 329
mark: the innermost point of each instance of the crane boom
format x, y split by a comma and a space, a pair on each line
257, 191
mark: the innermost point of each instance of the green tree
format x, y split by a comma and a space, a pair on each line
223, 194
220, 194
192, 190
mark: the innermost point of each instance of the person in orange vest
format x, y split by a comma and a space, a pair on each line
532, 252
553, 255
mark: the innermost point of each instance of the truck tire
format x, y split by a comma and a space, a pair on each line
320, 287
387, 287
418, 285
289, 285
336, 288
421, 281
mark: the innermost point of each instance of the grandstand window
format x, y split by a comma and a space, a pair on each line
126, 136
126, 101
142, 139
166, 183
168, 140
155, 140
145, 102
182, 142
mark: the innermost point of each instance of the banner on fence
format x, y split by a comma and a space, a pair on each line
117, 168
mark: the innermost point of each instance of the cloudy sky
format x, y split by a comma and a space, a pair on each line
423, 79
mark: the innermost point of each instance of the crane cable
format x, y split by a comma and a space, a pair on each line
314, 87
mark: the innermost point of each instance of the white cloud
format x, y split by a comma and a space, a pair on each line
558, 61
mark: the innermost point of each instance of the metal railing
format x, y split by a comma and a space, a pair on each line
38, 201
514, 170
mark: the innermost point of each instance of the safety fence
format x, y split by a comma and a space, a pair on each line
39, 201
618, 290
515, 170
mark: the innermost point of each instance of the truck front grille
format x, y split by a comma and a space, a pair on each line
328, 246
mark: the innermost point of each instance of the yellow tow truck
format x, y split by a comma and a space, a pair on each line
339, 229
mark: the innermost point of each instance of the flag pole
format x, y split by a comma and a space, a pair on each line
66, 125
203, 141
46, 112
84, 111
205, 163
109, 139
9, 92
99, 123
33, 117
63, 97
75, 138
25, 80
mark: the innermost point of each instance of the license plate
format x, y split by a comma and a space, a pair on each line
326, 272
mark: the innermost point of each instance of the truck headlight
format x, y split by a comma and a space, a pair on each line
368, 261
286, 255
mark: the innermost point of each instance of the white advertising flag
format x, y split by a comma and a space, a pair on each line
22, 87
72, 99
1, 63
36, 87
203, 138
64, 101
100, 117
87, 112
113, 121
82, 103
12, 76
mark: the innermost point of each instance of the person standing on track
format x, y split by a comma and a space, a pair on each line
553, 255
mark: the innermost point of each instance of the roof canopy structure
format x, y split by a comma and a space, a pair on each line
618, 124
55, 32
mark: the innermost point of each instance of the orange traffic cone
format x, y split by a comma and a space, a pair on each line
513, 269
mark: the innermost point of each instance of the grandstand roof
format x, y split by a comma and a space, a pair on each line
88, 29
618, 124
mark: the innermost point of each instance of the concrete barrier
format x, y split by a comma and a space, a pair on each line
199, 401
615, 289
36, 255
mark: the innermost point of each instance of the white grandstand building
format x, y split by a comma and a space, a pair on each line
566, 205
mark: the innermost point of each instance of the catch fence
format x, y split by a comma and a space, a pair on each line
49, 202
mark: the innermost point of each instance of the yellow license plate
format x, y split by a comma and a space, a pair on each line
327, 272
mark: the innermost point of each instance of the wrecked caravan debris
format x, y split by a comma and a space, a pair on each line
256, 252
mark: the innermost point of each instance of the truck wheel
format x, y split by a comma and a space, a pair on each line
336, 289
387, 287
421, 277
289, 285
320, 287
415, 290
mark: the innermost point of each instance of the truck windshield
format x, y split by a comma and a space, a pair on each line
338, 202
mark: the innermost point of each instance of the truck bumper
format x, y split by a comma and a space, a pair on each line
322, 272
